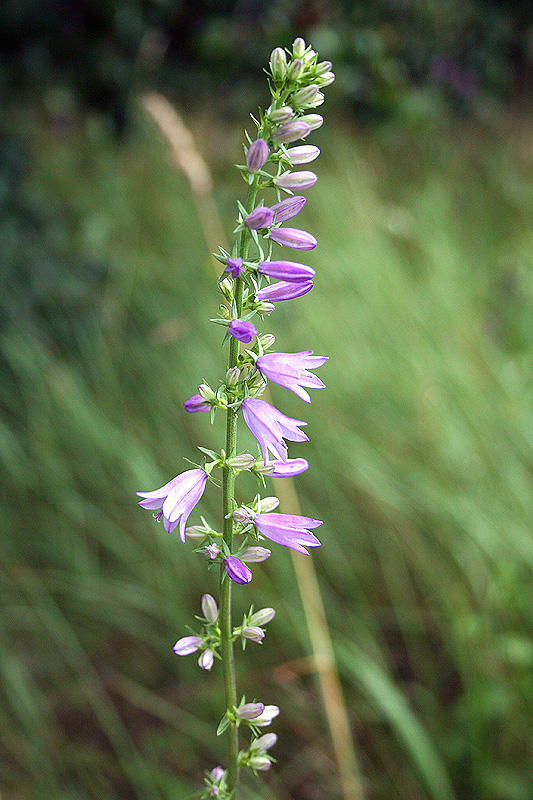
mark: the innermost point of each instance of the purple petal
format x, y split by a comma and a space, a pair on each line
294, 238
283, 290
238, 571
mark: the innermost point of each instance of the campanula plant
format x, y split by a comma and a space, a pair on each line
255, 277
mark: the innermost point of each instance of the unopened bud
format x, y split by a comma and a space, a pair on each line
254, 633
267, 340
306, 95
264, 742
265, 308
323, 67
261, 763
326, 79
298, 47
255, 554
251, 710
279, 115
206, 659
187, 645
241, 516
195, 532
242, 461
278, 63
313, 120
295, 70
232, 376
267, 716
268, 504
209, 608
262, 616
217, 773
207, 393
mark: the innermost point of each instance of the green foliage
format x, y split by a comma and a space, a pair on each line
420, 458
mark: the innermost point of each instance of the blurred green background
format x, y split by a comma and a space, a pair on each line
420, 450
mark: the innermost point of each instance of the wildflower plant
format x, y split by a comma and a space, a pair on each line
255, 277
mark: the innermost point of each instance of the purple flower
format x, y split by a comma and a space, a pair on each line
187, 645
291, 371
270, 427
292, 467
217, 773
287, 209
283, 290
254, 633
288, 271
257, 155
296, 181
238, 571
234, 268
197, 403
292, 237
261, 217
302, 154
177, 498
242, 330
291, 131
288, 530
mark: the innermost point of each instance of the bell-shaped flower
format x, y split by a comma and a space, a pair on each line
270, 427
288, 271
294, 238
197, 403
283, 290
290, 530
176, 499
291, 371
237, 571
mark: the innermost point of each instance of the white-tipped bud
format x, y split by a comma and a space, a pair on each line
206, 659
255, 554
207, 393
305, 96
187, 645
265, 307
195, 533
254, 633
323, 67
319, 99
266, 717
313, 120
280, 115
226, 288
242, 461
261, 763
209, 608
267, 340
268, 504
264, 742
252, 710
278, 64
298, 47
295, 70
262, 617
303, 154
326, 79
241, 516
232, 376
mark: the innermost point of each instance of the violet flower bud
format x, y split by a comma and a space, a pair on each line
251, 710
255, 554
278, 63
242, 330
242, 461
293, 238
288, 208
264, 742
313, 120
291, 131
306, 95
206, 659
289, 469
262, 617
267, 716
261, 217
197, 403
254, 633
260, 763
234, 267
303, 154
257, 155
209, 608
217, 773
283, 290
187, 645
295, 70
238, 571
295, 181
279, 115
288, 271
298, 47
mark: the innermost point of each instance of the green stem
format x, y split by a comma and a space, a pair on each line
228, 493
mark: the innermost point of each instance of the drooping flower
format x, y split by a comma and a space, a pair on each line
291, 371
289, 530
303, 154
197, 403
257, 155
187, 645
296, 181
288, 208
176, 499
288, 271
261, 217
234, 267
242, 330
238, 571
294, 238
283, 290
291, 131
289, 469
270, 427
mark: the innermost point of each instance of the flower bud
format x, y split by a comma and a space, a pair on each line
323, 67
265, 308
187, 645
278, 64
262, 617
326, 79
282, 290
206, 659
295, 181
264, 742
279, 115
319, 99
305, 95
261, 763
209, 608
302, 154
242, 330
254, 633
268, 504
237, 571
207, 393
233, 375
292, 131
242, 461
295, 70
267, 340
261, 217
294, 238
287, 209
289, 468
267, 716
195, 532
257, 155
218, 773
288, 271
298, 47
255, 554
252, 710
197, 403
241, 516
226, 288
313, 120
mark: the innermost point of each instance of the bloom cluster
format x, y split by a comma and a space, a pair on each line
252, 283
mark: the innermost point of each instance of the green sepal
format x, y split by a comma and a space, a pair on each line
223, 724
